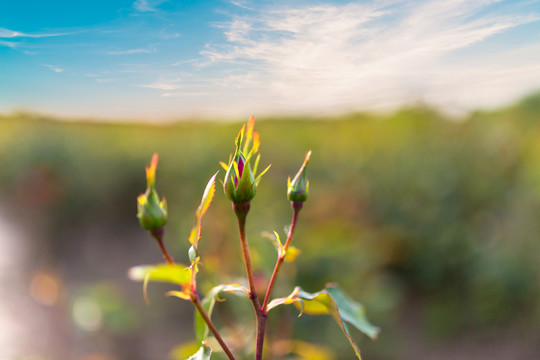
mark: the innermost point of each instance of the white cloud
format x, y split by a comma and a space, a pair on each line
132, 51
163, 85
9, 34
146, 5
9, 44
377, 54
54, 68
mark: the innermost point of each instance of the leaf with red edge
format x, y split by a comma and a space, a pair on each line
334, 302
207, 197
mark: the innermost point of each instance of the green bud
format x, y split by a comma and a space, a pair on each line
152, 212
298, 188
240, 183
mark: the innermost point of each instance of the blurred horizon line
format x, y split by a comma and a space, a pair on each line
449, 114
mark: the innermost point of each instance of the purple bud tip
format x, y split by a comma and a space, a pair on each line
240, 169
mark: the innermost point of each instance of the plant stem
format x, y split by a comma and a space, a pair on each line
241, 210
241, 214
261, 329
296, 206
158, 235
195, 300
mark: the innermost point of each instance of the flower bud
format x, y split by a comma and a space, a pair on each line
152, 212
298, 188
240, 183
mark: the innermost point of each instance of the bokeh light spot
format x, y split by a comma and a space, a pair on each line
45, 289
87, 314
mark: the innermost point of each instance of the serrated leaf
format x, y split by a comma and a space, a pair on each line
200, 327
353, 312
207, 197
204, 353
334, 302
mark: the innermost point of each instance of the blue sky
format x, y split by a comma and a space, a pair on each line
158, 60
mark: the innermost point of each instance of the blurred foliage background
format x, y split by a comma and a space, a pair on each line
432, 223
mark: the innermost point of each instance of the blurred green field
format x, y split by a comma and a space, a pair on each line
432, 223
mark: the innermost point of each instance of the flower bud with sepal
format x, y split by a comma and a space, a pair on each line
151, 211
240, 182
298, 188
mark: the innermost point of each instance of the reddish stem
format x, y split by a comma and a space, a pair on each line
197, 303
241, 210
296, 206
158, 235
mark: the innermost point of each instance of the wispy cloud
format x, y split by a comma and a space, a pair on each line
373, 54
163, 85
147, 5
9, 44
132, 51
242, 4
54, 68
8, 34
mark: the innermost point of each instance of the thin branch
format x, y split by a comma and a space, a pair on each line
158, 235
241, 210
195, 300
296, 206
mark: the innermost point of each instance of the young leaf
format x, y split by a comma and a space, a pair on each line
207, 197
176, 274
334, 302
293, 298
275, 241
204, 353
292, 254
200, 327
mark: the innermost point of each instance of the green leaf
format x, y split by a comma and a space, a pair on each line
334, 302
176, 274
201, 329
353, 312
204, 353
207, 197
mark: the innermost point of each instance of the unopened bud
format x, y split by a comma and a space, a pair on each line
298, 188
151, 211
